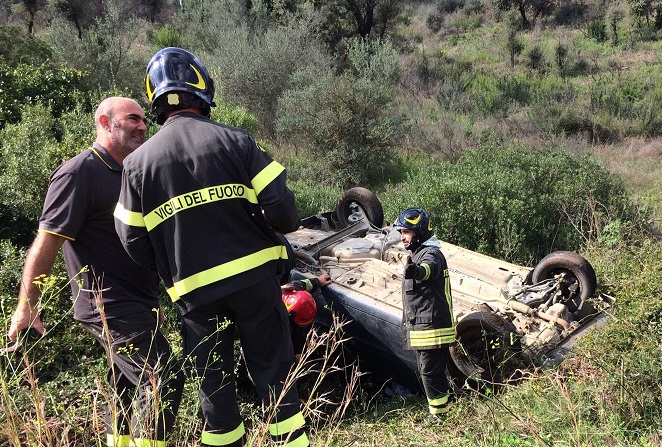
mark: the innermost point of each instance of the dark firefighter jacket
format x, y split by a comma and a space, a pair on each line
426, 301
199, 204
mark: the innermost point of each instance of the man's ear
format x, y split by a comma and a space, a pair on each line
104, 120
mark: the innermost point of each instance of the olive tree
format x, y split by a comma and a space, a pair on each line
529, 10
349, 121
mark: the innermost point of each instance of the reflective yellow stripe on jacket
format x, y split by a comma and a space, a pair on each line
226, 270
183, 202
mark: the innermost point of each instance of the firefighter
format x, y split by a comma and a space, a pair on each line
428, 320
201, 204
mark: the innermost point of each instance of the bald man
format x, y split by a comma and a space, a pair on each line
114, 299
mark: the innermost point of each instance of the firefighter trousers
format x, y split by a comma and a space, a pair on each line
432, 369
260, 318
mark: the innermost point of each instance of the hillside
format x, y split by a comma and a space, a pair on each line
520, 133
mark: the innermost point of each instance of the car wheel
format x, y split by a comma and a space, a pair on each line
580, 276
359, 200
487, 351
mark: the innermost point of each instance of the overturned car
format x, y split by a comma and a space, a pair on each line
508, 317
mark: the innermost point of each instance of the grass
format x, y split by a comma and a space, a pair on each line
606, 392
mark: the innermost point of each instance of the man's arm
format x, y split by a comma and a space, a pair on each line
39, 261
130, 226
277, 201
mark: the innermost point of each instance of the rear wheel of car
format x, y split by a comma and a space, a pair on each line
359, 200
487, 351
580, 280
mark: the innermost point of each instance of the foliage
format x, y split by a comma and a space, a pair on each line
167, 36
11, 263
508, 200
109, 44
21, 48
234, 116
50, 85
630, 373
30, 150
25, 167
529, 10
348, 121
276, 52
568, 13
597, 29
513, 202
348, 19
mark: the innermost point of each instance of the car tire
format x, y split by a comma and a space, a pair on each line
578, 268
359, 199
486, 353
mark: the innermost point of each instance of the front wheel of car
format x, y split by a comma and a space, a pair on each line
487, 351
361, 200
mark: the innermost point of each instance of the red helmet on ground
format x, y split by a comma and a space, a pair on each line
302, 305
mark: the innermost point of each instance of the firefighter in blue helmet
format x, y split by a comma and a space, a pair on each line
201, 204
428, 320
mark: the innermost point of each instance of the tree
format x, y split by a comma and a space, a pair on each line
524, 7
80, 12
350, 122
642, 9
32, 7
344, 19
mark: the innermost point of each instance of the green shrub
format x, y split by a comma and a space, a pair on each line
11, 265
535, 58
569, 13
513, 202
25, 163
50, 85
166, 36
21, 48
631, 388
597, 29
234, 116
276, 53
350, 122
486, 96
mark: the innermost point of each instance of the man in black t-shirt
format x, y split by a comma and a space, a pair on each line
115, 299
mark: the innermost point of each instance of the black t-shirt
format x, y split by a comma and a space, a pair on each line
79, 206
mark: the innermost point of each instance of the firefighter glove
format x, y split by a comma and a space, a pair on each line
414, 271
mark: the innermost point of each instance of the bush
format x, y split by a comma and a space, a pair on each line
257, 65
19, 48
25, 164
631, 389
569, 13
513, 202
30, 151
50, 85
234, 116
597, 29
349, 121
167, 36
535, 59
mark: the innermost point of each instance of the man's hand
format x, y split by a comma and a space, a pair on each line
414, 271
325, 279
25, 316
410, 271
